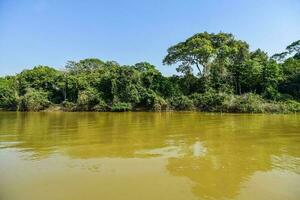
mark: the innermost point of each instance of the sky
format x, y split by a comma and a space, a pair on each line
52, 32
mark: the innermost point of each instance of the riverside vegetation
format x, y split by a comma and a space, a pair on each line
229, 77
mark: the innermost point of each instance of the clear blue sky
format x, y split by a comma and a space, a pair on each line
51, 32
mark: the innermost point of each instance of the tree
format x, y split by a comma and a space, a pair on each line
42, 78
84, 66
290, 83
271, 76
221, 57
148, 74
252, 74
290, 66
237, 58
34, 100
127, 85
200, 50
8, 94
229, 76
292, 50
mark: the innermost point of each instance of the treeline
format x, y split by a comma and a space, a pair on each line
230, 78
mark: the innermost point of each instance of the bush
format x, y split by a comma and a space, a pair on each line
69, 106
247, 103
152, 101
34, 100
291, 106
101, 106
121, 107
181, 103
274, 107
159, 104
87, 99
253, 103
208, 101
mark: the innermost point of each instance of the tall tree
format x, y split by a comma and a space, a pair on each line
213, 55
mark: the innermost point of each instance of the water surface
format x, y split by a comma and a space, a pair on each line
134, 156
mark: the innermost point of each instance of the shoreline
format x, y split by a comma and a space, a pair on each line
146, 111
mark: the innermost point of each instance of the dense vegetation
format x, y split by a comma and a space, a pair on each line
230, 78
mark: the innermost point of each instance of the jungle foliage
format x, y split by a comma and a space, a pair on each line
229, 78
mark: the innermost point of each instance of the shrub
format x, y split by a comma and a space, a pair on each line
181, 103
101, 106
291, 106
159, 104
152, 101
34, 100
247, 103
87, 99
69, 106
208, 101
273, 107
121, 107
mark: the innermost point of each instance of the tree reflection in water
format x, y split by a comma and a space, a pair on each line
218, 153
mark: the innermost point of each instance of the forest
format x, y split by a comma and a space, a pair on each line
216, 73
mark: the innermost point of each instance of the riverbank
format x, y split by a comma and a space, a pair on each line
238, 81
223, 103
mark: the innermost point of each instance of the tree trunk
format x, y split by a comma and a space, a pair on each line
197, 65
66, 87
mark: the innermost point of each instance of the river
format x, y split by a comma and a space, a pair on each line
148, 156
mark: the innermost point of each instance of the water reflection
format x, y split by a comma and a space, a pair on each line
199, 156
